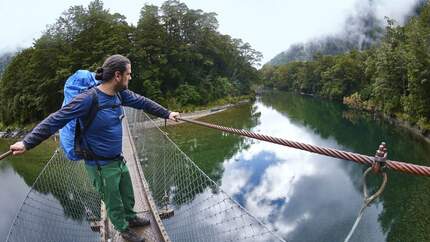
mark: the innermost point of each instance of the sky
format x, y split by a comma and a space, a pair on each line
270, 26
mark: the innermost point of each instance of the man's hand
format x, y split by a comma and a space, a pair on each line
18, 148
173, 116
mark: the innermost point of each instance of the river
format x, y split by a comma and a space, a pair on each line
303, 196
309, 197
17, 174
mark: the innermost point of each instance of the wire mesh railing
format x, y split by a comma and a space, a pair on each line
60, 206
202, 211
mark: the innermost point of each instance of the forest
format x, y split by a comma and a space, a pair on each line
391, 77
179, 59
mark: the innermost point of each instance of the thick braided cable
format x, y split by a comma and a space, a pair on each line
362, 159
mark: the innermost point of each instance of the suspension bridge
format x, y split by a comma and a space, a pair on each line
180, 200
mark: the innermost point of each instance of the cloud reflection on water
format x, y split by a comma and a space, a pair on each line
306, 197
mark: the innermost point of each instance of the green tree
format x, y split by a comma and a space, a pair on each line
417, 102
390, 76
178, 58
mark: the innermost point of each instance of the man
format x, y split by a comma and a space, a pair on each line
103, 138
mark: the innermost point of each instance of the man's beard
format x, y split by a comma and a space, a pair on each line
120, 87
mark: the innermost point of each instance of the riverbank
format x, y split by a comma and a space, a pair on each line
425, 134
200, 113
17, 133
13, 133
420, 128
405, 124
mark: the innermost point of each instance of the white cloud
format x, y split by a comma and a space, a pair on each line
296, 189
234, 179
397, 9
269, 26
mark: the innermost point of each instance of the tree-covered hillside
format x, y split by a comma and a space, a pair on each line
392, 78
178, 58
5, 59
360, 31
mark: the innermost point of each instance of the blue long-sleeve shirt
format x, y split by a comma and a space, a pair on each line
104, 135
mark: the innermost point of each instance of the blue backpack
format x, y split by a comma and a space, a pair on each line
77, 83
71, 135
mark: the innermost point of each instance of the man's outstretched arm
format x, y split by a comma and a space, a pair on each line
78, 107
135, 100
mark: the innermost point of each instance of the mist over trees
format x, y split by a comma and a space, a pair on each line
178, 59
5, 59
392, 78
361, 30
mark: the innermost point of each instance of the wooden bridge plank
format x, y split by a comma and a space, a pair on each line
144, 206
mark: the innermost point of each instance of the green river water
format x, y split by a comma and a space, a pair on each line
303, 196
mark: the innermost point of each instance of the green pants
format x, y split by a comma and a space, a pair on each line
113, 182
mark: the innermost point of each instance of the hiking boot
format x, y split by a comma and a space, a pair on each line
130, 236
138, 222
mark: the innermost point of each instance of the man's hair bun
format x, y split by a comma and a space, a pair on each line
99, 74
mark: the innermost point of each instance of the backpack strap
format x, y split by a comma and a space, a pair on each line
94, 108
119, 97
88, 153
